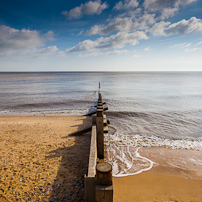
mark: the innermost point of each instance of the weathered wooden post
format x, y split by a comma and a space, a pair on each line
104, 188
100, 132
104, 174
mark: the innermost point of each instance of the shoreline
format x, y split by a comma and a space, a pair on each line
44, 113
168, 180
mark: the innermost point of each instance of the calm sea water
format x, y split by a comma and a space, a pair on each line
167, 105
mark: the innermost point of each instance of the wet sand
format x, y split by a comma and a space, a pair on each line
175, 176
40, 160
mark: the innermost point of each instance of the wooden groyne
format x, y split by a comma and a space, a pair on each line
98, 180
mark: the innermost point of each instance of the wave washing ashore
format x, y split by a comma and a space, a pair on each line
123, 153
146, 109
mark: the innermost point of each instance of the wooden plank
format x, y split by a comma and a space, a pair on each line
93, 153
89, 180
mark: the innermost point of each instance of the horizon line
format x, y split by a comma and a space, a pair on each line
98, 71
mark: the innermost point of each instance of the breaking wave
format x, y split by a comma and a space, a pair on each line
119, 139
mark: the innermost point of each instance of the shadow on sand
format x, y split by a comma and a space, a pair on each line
69, 182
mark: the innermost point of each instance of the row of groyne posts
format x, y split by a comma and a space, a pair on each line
98, 180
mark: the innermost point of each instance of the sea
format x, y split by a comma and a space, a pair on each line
146, 109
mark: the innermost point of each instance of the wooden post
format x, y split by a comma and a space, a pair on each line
100, 98
100, 108
104, 174
100, 133
104, 187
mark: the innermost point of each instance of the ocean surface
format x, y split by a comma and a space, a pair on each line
145, 108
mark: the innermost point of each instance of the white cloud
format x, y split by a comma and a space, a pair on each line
50, 50
89, 8
96, 29
159, 28
49, 36
24, 42
131, 13
11, 38
185, 27
192, 49
147, 49
97, 53
129, 24
155, 5
182, 27
168, 8
81, 32
127, 4
168, 12
35, 52
183, 2
199, 43
118, 24
181, 45
116, 41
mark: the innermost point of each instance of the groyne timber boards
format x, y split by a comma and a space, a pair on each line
98, 180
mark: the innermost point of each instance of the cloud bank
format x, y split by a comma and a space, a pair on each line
129, 24
89, 8
127, 4
167, 8
148, 18
16, 42
155, 5
116, 41
11, 38
182, 27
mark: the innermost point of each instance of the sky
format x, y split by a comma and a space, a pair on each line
98, 35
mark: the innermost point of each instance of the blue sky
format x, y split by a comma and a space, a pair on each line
127, 35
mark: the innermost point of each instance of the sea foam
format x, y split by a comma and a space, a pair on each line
120, 139
124, 172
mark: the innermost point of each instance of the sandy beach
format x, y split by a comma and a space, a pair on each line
175, 176
40, 161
